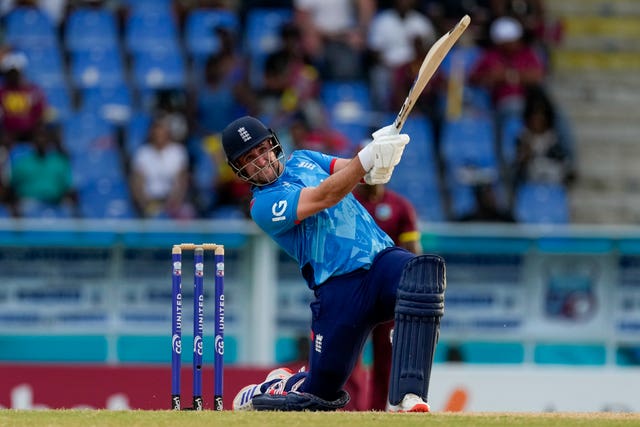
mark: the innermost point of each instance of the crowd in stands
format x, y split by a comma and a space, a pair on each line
113, 108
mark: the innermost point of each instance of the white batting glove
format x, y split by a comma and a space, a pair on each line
378, 176
387, 150
385, 131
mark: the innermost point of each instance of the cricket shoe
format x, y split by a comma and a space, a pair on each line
275, 381
409, 403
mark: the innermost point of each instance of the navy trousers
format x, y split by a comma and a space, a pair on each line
345, 310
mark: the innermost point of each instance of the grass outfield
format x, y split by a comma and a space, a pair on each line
90, 418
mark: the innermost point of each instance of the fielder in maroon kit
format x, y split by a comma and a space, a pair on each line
397, 217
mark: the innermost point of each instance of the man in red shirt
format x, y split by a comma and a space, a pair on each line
508, 67
22, 103
397, 217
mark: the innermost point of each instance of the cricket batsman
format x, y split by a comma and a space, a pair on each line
358, 276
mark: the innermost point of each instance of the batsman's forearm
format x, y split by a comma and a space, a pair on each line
343, 181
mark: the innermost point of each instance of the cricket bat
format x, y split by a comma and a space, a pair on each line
431, 62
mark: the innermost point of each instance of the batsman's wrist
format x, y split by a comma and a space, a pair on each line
366, 157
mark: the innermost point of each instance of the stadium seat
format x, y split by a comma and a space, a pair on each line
97, 67
417, 175
162, 69
541, 204
90, 28
469, 140
27, 27
200, 35
106, 199
114, 104
85, 131
59, 103
99, 162
348, 105
460, 56
41, 210
136, 132
150, 30
147, 6
204, 172
511, 128
45, 65
469, 157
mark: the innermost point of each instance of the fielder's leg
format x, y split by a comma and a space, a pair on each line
419, 307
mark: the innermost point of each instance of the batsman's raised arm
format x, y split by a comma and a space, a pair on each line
374, 163
347, 174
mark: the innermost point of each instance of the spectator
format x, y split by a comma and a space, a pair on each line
231, 194
160, 175
290, 82
304, 136
487, 208
40, 178
508, 67
446, 13
225, 92
403, 78
22, 103
397, 217
540, 30
334, 35
540, 154
391, 40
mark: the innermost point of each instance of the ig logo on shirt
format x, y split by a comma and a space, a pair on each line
278, 209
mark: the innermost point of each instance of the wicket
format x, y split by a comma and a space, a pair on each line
198, 323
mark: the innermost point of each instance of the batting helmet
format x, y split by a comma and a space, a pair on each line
242, 135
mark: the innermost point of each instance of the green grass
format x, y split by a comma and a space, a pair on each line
89, 418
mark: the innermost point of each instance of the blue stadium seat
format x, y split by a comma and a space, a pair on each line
136, 132
29, 27
200, 36
512, 126
45, 65
425, 196
150, 30
84, 131
106, 199
469, 155
542, 204
348, 105
98, 163
91, 28
41, 210
416, 176
262, 36
114, 104
163, 69
469, 140
204, 172
460, 56
59, 102
97, 68
147, 6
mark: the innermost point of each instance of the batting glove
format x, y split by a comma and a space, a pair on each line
385, 131
378, 176
387, 150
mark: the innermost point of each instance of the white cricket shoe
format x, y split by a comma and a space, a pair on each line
409, 403
277, 378
242, 401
